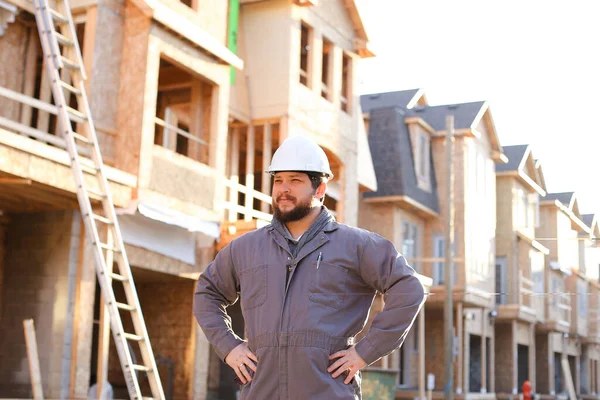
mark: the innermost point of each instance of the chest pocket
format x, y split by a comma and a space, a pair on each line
253, 287
328, 284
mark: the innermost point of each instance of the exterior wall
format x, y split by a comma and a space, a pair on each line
13, 46
548, 228
155, 163
268, 57
438, 225
544, 364
434, 345
505, 355
479, 214
36, 285
102, 52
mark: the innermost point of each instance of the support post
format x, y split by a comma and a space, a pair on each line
250, 142
235, 172
421, 322
34, 362
266, 178
449, 326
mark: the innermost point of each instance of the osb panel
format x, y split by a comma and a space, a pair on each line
190, 186
132, 96
212, 17
189, 57
104, 77
13, 47
53, 174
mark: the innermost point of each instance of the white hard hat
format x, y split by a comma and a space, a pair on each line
299, 153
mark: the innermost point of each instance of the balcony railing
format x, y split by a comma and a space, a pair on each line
560, 308
247, 210
23, 127
526, 294
594, 322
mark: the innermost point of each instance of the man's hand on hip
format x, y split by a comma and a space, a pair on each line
349, 360
240, 359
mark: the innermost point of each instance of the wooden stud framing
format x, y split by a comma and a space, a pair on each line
250, 141
34, 362
235, 171
267, 151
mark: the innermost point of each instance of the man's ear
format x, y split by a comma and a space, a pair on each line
321, 191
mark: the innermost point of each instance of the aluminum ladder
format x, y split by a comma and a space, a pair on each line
64, 64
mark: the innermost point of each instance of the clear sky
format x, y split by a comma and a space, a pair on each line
536, 62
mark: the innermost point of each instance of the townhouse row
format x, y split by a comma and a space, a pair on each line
526, 263
190, 99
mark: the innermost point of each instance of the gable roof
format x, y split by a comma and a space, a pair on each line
390, 144
522, 163
588, 219
565, 198
402, 98
515, 155
592, 222
465, 114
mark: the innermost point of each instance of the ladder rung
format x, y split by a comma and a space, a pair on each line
69, 63
142, 368
123, 306
79, 116
70, 88
131, 336
96, 193
89, 168
107, 247
118, 277
65, 41
81, 138
58, 16
102, 219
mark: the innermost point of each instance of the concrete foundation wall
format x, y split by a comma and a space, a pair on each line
35, 286
166, 302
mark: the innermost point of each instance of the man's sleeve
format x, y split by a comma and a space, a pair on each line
388, 272
217, 289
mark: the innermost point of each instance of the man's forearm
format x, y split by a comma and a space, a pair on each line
390, 327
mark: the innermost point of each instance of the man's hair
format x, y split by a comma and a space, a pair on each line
316, 179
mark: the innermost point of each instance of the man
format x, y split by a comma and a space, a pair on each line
306, 284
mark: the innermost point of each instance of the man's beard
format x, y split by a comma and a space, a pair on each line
301, 210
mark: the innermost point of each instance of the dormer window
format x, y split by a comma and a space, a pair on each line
422, 158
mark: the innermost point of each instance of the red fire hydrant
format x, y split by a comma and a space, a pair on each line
527, 391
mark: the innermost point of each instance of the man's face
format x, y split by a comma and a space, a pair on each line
292, 196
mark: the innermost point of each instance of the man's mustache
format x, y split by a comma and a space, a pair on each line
285, 198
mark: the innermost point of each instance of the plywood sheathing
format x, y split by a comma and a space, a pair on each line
102, 55
49, 166
13, 47
133, 93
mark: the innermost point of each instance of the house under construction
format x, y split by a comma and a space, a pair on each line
189, 100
